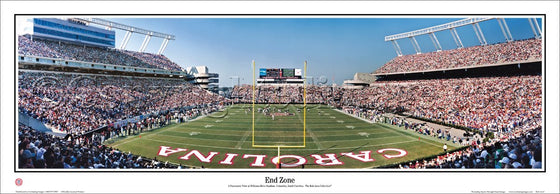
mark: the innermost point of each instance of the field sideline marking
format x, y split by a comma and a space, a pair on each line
229, 148
439, 146
386, 129
353, 116
124, 141
428, 138
163, 129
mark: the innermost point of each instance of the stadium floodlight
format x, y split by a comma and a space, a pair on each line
435, 42
437, 28
479, 34
129, 31
536, 32
456, 38
145, 42
238, 79
415, 45
451, 26
505, 29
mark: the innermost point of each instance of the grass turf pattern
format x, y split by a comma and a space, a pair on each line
327, 132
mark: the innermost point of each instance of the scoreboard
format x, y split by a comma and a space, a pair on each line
277, 73
288, 72
273, 73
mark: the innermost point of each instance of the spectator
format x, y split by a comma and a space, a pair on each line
70, 51
472, 56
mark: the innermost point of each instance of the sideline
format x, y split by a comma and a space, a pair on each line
127, 140
353, 116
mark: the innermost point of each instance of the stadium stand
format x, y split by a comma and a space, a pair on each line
155, 60
97, 100
520, 150
507, 103
41, 150
285, 94
472, 56
495, 103
70, 51
93, 108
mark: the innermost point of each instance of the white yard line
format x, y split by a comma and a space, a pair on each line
240, 143
244, 137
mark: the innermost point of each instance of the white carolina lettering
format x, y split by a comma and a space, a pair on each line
200, 157
259, 159
166, 151
229, 159
300, 160
364, 156
329, 160
401, 153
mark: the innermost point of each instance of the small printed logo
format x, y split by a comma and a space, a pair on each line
19, 182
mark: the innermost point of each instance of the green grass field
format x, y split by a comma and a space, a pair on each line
327, 132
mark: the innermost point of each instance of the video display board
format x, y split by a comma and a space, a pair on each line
279, 73
287, 72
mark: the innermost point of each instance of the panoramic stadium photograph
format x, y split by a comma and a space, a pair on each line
312, 93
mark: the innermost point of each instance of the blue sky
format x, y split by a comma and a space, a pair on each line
334, 47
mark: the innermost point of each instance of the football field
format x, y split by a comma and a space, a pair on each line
330, 139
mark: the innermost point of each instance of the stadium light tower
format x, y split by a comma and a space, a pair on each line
415, 45
479, 34
236, 77
397, 47
130, 30
534, 24
435, 41
505, 29
451, 26
456, 38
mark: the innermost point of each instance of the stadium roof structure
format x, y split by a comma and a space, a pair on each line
129, 30
451, 26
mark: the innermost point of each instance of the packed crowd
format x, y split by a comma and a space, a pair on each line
464, 57
497, 103
510, 106
159, 61
486, 104
285, 94
42, 150
522, 149
69, 51
76, 103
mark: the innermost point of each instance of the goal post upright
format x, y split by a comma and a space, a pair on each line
253, 103
278, 160
304, 98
